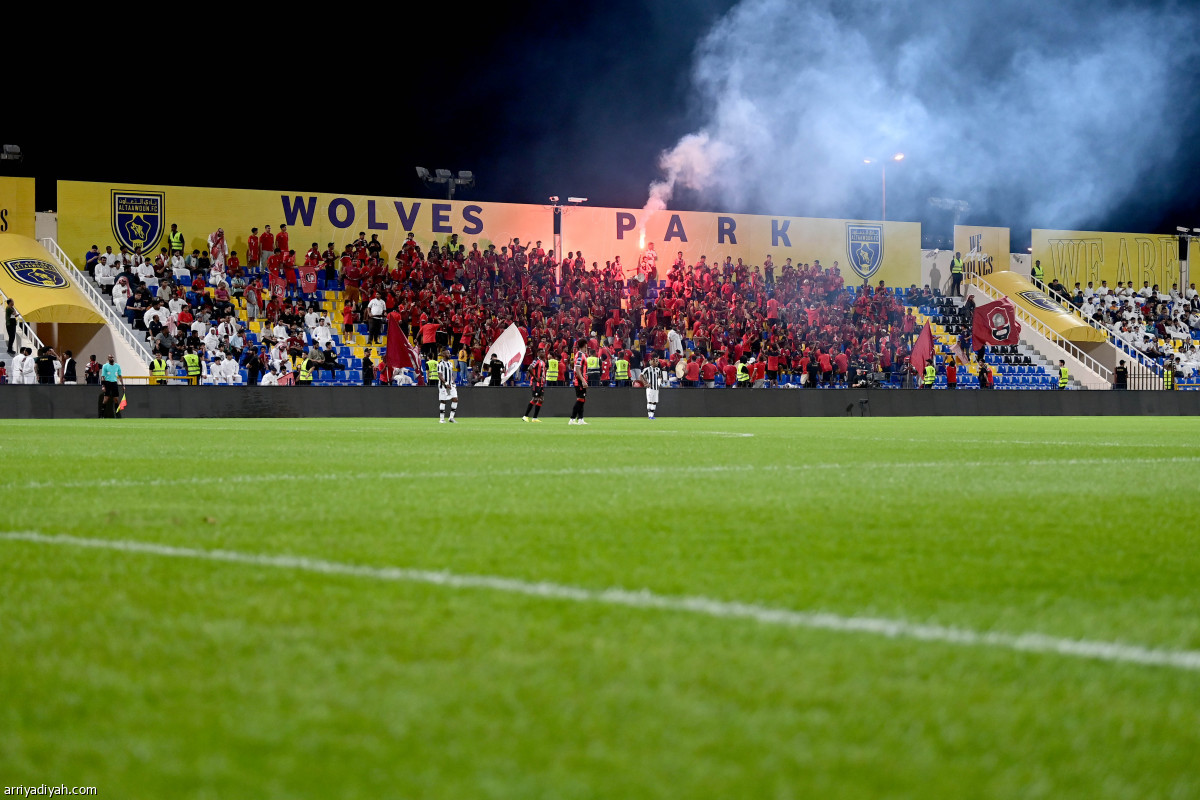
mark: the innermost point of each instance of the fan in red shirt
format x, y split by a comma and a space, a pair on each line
266, 244
253, 251
281, 241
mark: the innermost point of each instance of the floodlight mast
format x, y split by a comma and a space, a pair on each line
443, 176
558, 205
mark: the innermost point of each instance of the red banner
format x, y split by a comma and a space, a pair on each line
995, 323
308, 279
922, 351
278, 286
401, 353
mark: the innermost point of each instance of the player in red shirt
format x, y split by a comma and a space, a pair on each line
579, 377
281, 241
537, 385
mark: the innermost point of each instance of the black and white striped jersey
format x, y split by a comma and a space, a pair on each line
652, 377
446, 373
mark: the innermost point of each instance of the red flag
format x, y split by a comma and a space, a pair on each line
308, 279
922, 351
278, 286
401, 353
995, 323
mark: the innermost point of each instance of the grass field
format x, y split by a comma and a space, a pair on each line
832, 608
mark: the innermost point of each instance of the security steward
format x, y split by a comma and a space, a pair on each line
593, 369
1121, 376
158, 371
1037, 273
175, 240
431, 371
552, 367
192, 362
304, 372
743, 375
1064, 377
930, 375
1169, 376
956, 275
622, 371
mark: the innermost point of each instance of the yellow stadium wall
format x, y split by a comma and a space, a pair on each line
1082, 256
978, 243
17, 206
91, 213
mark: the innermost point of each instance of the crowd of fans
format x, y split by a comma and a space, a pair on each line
702, 319
1158, 324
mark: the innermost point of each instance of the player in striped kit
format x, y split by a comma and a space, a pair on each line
579, 378
447, 390
652, 377
537, 384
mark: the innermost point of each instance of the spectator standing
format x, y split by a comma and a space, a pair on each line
10, 324
69, 374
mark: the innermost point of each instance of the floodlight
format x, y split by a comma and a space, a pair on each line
576, 199
423, 173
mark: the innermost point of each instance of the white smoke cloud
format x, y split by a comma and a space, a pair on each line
1037, 114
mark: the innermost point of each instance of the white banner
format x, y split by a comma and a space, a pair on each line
509, 347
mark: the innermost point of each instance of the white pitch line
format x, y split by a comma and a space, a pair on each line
1114, 652
631, 469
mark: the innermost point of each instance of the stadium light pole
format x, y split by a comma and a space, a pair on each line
555, 201
898, 157
465, 178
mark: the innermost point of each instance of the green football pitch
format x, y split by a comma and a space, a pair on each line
685, 608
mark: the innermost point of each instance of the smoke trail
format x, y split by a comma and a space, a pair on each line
1044, 114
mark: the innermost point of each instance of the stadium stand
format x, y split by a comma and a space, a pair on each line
795, 326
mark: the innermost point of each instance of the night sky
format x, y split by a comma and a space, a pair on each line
537, 99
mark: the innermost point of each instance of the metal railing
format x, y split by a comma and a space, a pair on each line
118, 322
1070, 307
27, 332
1142, 381
1045, 330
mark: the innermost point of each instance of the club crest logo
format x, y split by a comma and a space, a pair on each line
137, 218
1000, 320
864, 248
1040, 300
33, 272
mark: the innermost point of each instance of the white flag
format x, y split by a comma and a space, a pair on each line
509, 347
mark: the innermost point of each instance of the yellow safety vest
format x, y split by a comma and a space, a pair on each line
1168, 378
930, 375
743, 375
956, 266
622, 369
1063, 377
552, 370
1038, 273
193, 364
431, 367
593, 362
176, 240
158, 368
305, 370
